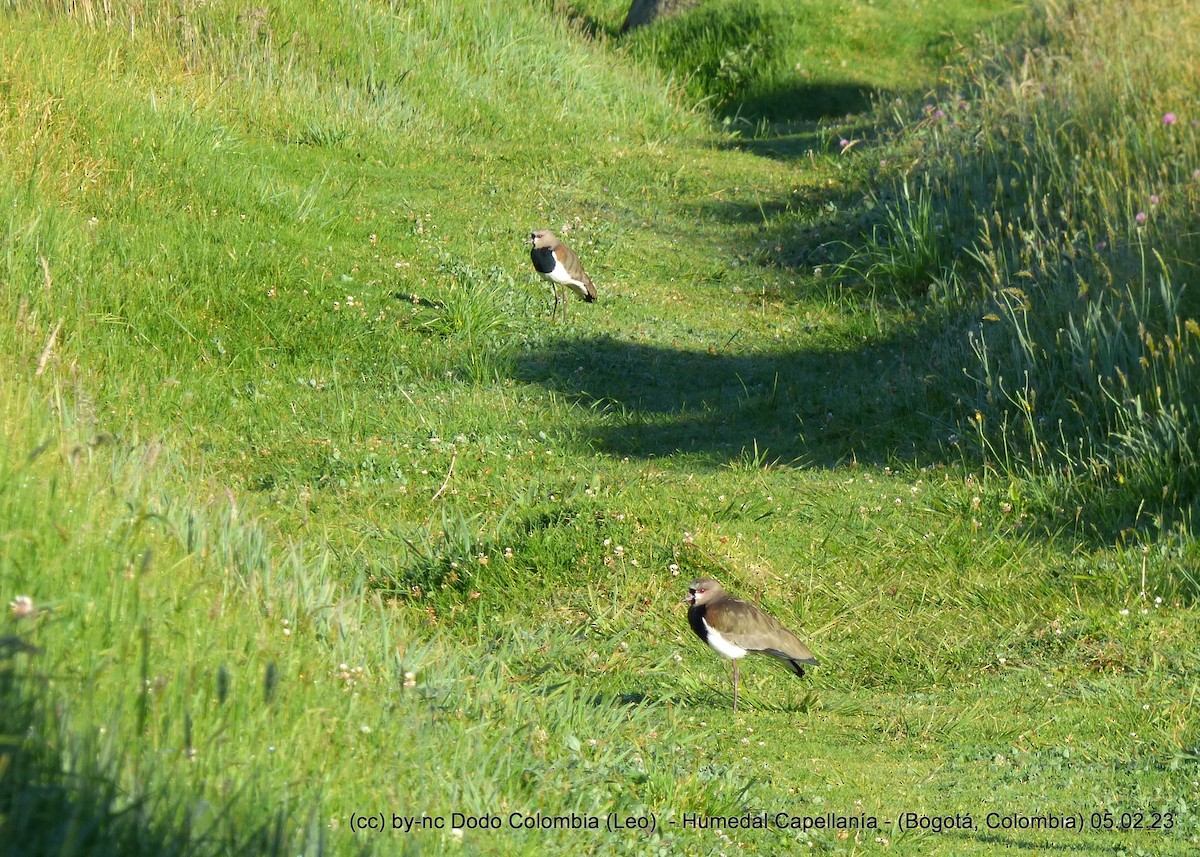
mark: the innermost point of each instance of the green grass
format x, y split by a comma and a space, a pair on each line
322, 518
816, 60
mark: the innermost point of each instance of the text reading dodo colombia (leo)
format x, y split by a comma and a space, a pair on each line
381, 822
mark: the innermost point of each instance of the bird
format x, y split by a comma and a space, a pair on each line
558, 263
734, 628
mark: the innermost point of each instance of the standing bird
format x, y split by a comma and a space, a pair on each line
734, 628
558, 263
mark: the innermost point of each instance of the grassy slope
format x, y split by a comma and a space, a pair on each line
815, 60
263, 190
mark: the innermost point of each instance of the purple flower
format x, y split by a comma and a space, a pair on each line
843, 142
1140, 218
1169, 118
939, 114
1154, 199
1102, 245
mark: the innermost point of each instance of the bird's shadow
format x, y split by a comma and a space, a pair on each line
418, 300
632, 698
699, 693
1027, 846
706, 697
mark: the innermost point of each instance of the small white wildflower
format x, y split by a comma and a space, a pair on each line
22, 606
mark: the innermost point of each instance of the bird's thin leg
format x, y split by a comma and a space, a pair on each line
735, 684
554, 312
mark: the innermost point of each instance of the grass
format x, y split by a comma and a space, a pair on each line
1084, 358
764, 60
322, 521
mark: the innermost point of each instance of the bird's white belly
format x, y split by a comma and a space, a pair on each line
560, 275
721, 645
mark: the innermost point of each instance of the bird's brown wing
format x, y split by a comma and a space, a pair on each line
757, 631
574, 268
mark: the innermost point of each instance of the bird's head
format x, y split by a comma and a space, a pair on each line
541, 238
702, 591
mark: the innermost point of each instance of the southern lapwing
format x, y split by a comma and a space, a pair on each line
558, 263
734, 628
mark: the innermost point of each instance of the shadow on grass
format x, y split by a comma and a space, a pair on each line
718, 697
891, 402
65, 795
636, 697
1029, 846
881, 403
797, 101
809, 227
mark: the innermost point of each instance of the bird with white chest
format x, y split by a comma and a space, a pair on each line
559, 264
734, 628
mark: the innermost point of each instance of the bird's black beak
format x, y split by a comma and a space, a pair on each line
691, 597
